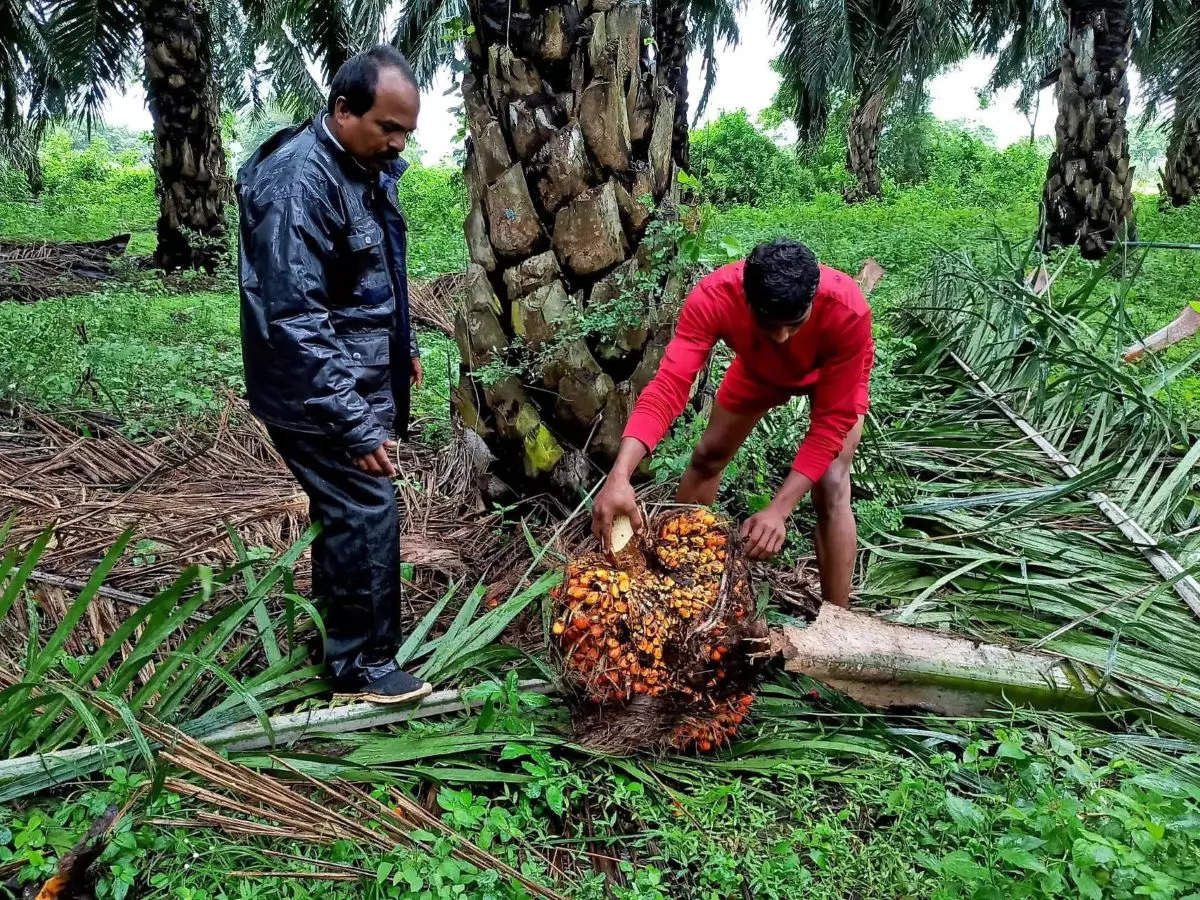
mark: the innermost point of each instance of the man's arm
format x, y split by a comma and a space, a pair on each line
657, 407
290, 248
664, 398
834, 414
834, 402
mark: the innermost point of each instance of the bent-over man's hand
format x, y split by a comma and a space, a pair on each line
377, 462
764, 533
418, 372
616, 498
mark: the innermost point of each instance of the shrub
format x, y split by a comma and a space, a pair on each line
14, 187
434, 202
738, 164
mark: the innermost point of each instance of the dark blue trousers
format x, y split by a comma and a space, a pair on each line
355, 558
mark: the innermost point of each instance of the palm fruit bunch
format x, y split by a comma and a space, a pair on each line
667, 625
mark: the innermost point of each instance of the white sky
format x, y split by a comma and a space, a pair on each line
744, 80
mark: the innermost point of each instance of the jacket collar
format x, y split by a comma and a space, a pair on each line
325, 135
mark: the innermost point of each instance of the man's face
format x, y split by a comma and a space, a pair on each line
378, 136
780, 332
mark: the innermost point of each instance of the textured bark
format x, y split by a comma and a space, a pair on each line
862, 147
1181, 177
192, 183
671, 36
1088, 197
570, 128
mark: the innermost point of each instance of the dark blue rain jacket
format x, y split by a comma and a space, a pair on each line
326, 335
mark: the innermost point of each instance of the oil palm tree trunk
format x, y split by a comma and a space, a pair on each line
671, 36
189, 161
1181, 176
1088, 197
862, 147
570, 131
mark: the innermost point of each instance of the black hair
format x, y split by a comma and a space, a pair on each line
357, 78
781, 280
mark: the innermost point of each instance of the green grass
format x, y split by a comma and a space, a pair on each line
155, 355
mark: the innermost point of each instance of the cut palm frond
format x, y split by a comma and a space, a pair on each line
1045, 568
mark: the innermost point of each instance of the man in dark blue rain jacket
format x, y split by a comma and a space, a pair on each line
329, 351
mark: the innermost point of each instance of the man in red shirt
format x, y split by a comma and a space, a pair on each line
795, 327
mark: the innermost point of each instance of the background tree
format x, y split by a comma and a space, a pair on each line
30, 89
880, 53
97, 43
1169, 61
1088, 197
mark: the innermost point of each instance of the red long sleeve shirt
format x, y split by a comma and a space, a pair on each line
829, 357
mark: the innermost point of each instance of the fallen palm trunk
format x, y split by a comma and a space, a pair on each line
886, 666
1186, 324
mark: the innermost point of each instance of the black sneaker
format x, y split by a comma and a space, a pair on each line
395, 687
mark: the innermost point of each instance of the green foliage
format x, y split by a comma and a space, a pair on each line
91, 192
670, 250
434, 200
14, 187
148, 353
739, 164
431, 402
1056, 824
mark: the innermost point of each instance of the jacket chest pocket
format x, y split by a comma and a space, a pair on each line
369, 282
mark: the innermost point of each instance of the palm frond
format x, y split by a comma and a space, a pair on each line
421, 35
97, 46
712, 24
292, 84
816, 58
982, 555
157, 663
1170, 65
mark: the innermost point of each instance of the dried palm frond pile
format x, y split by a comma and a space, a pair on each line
36, 271
659, 643
178, 492
433, 302
192, 497
254, 804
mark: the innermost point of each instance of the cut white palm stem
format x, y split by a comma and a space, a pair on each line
287, 729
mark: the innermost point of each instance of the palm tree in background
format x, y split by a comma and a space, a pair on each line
30, 87
1085, 49
1170, 65
881, 53
77, 51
